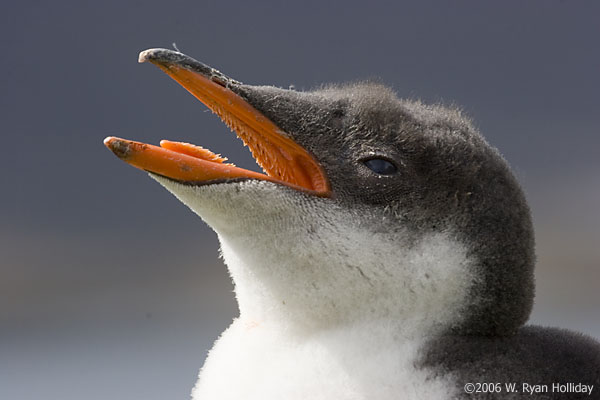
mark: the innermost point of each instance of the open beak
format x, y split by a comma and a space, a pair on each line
282, 160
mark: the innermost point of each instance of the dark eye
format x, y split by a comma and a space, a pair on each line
381, 166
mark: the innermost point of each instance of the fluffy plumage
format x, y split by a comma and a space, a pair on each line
450, 178
406, 285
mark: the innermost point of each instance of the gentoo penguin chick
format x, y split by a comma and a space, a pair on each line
386, 252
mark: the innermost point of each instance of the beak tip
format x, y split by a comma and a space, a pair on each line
120, 147
145, 55
161, 56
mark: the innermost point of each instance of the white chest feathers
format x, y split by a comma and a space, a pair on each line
254, 361
335, 301
334, 330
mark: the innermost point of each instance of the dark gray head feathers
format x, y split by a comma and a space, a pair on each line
448, 176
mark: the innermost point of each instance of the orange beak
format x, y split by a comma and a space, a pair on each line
284, 161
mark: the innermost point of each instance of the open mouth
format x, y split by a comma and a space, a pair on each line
282, 160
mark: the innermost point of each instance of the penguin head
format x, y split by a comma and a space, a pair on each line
375, 208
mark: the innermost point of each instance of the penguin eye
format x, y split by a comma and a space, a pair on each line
381, 166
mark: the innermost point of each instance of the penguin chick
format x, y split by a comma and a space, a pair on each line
386, 251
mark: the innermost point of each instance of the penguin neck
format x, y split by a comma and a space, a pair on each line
313, 287
306, 264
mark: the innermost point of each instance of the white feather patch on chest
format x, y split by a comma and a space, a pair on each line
254, 361
333, 303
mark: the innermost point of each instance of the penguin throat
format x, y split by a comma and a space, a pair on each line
343, 277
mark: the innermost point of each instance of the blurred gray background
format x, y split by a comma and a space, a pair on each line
110, 288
